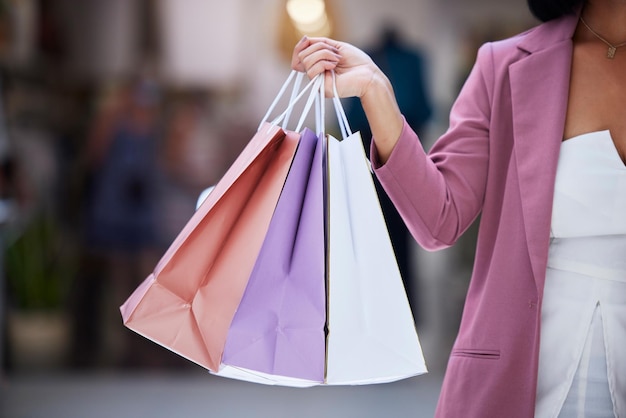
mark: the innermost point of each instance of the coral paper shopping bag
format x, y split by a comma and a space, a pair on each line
187, 304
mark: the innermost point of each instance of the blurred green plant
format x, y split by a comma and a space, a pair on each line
39, 267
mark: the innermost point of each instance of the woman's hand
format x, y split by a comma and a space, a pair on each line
356, 75
354, 69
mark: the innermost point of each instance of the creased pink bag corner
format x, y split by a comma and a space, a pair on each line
188, 303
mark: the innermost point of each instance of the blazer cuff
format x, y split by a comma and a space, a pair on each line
401, 155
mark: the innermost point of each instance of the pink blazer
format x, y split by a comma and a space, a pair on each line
498, 159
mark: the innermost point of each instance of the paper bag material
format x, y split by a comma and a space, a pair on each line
371, 331
189, 301
278, 329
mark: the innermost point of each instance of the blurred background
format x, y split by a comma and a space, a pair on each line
116, 114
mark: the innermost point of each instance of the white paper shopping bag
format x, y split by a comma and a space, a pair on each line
371, 331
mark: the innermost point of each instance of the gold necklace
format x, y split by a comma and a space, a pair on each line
610, 54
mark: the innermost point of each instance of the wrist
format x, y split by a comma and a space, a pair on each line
376, 87
384, 117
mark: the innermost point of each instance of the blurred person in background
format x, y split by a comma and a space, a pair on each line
537, 147
120, 228
193, 158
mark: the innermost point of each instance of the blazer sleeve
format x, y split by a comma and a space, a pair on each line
439, 194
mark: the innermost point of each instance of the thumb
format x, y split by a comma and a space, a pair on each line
296, 63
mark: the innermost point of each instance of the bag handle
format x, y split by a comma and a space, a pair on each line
320, 116
316, 97
341, 114
296, 96
318, 81
342, 119
312, 84
278, 97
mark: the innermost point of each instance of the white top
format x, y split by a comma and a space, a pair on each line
584, 307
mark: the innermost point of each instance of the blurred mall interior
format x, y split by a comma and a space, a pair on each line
116, 114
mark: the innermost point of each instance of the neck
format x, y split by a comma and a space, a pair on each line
607, 17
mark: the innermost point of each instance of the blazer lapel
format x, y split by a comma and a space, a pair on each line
539, 94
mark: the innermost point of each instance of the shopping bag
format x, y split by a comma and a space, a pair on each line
277, 333
371, 332
371, 335
188, 302
316, 300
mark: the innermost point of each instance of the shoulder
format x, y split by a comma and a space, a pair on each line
495, 58
506, 50
533, 40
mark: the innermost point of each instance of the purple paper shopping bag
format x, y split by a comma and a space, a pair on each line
278, 329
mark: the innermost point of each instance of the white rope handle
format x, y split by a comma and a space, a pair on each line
296, 95
277, 98
341, 114
320, 114
295, 100
342, 119
318, 80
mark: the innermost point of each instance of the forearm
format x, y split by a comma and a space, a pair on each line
383, 114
